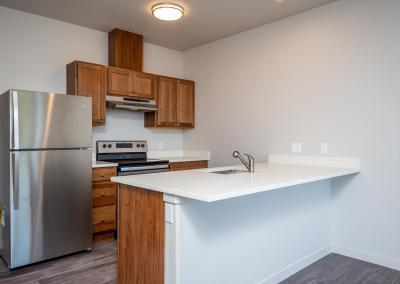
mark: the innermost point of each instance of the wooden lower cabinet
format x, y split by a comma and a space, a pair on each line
104, 204
104, 219
141, 236
181, 166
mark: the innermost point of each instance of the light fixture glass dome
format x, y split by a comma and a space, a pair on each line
167, 11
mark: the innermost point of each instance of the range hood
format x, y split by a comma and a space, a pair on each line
128, 103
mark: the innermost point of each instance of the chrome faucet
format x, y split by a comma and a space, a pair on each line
249, 164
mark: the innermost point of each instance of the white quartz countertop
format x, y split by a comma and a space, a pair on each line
180, 156
97, 164
206, 186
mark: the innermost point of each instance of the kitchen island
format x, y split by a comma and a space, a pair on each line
199, 226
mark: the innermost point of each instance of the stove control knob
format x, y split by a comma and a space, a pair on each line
138, 145
142, 145
104, 146
109, 145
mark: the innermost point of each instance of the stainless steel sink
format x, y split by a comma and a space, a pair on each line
229, 172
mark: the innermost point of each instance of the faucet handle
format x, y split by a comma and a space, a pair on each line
251, 162
235, 154
250, 157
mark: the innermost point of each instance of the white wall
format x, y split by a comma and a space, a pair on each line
328, 75
34, 51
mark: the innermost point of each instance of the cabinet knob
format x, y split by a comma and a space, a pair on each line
102, 118
102, 175
102, 194
102, 220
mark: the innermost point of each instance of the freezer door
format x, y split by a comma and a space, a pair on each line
48, 120
50, 206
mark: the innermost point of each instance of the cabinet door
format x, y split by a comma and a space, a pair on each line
119, 82
92, 83
185, 103
144, 85
166, 101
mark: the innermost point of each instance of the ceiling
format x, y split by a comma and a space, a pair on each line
204, 20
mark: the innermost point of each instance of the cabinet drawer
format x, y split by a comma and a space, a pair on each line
198, 165
104, 193
99, 174
104, 219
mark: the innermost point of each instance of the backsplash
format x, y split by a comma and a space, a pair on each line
128, 125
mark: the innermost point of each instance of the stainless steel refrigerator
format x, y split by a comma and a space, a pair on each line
45, 176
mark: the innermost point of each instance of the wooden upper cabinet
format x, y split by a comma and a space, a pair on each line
144, 85
185, 103
87, 79
119, 82
125, 50
129, 83
175, 104
166, 101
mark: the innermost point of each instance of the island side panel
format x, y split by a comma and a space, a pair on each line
140, 236
259, 238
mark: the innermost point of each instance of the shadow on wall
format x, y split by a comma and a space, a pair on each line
340, 185
248, 213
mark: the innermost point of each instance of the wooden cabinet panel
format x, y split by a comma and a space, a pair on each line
198, 165
144, 85
104, 219
87, 79
181, 166
125, 50
185, 103
166, 101
99, 174
119, 82
104, 193
141, 236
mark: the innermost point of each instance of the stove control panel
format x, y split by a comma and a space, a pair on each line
121, 146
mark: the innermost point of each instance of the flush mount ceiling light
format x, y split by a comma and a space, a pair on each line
167, 11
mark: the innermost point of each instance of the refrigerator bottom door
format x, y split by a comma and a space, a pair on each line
50, 204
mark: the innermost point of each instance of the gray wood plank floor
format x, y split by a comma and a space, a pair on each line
100, 267
96, 267
339, 269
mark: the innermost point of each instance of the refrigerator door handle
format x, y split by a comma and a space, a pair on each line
15, 188
15, 121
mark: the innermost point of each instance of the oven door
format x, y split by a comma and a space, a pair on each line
137, 170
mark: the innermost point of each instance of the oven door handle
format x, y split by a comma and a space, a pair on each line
141, 168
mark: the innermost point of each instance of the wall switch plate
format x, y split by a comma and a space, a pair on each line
324, 148
160, 145
296, 147
169, 213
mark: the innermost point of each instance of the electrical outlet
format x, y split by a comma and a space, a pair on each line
296, 147
169, 213
324, 148
160, 145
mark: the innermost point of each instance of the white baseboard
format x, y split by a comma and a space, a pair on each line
296, 266
366, 256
